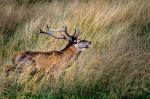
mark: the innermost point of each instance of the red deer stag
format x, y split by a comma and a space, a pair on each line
54, 60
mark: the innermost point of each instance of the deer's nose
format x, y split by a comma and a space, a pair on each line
89, 42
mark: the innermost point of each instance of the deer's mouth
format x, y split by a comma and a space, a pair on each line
88, 46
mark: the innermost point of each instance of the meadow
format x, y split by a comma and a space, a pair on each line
117, 66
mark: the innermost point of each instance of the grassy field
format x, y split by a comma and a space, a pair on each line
116, 66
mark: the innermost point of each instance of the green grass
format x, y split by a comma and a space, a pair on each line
116, 66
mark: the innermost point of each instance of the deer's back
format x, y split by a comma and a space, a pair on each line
30, 57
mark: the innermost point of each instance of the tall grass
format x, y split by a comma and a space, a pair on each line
116, 66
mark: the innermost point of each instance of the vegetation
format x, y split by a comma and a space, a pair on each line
116, 66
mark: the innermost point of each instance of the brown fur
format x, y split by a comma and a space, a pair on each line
53, 61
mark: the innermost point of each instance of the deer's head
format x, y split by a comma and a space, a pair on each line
79, 44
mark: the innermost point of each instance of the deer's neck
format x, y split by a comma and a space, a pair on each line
70, 52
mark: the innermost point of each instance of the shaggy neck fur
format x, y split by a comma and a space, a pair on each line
70, 51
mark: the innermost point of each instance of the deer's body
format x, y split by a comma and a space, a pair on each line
47, 59
54, 61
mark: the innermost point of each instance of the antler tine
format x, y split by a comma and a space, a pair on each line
76, 34
50, 33
41, 31
47, 27
65, 30
55, 31
75, 31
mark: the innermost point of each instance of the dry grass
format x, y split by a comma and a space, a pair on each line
116, 66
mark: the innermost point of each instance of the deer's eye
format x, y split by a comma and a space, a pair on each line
75, 41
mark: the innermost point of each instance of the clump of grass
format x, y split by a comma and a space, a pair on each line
117, 65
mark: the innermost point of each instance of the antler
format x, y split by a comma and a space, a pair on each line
63, 36
65, 30
50, 32
76, 33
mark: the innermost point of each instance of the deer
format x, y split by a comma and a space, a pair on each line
53, 61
